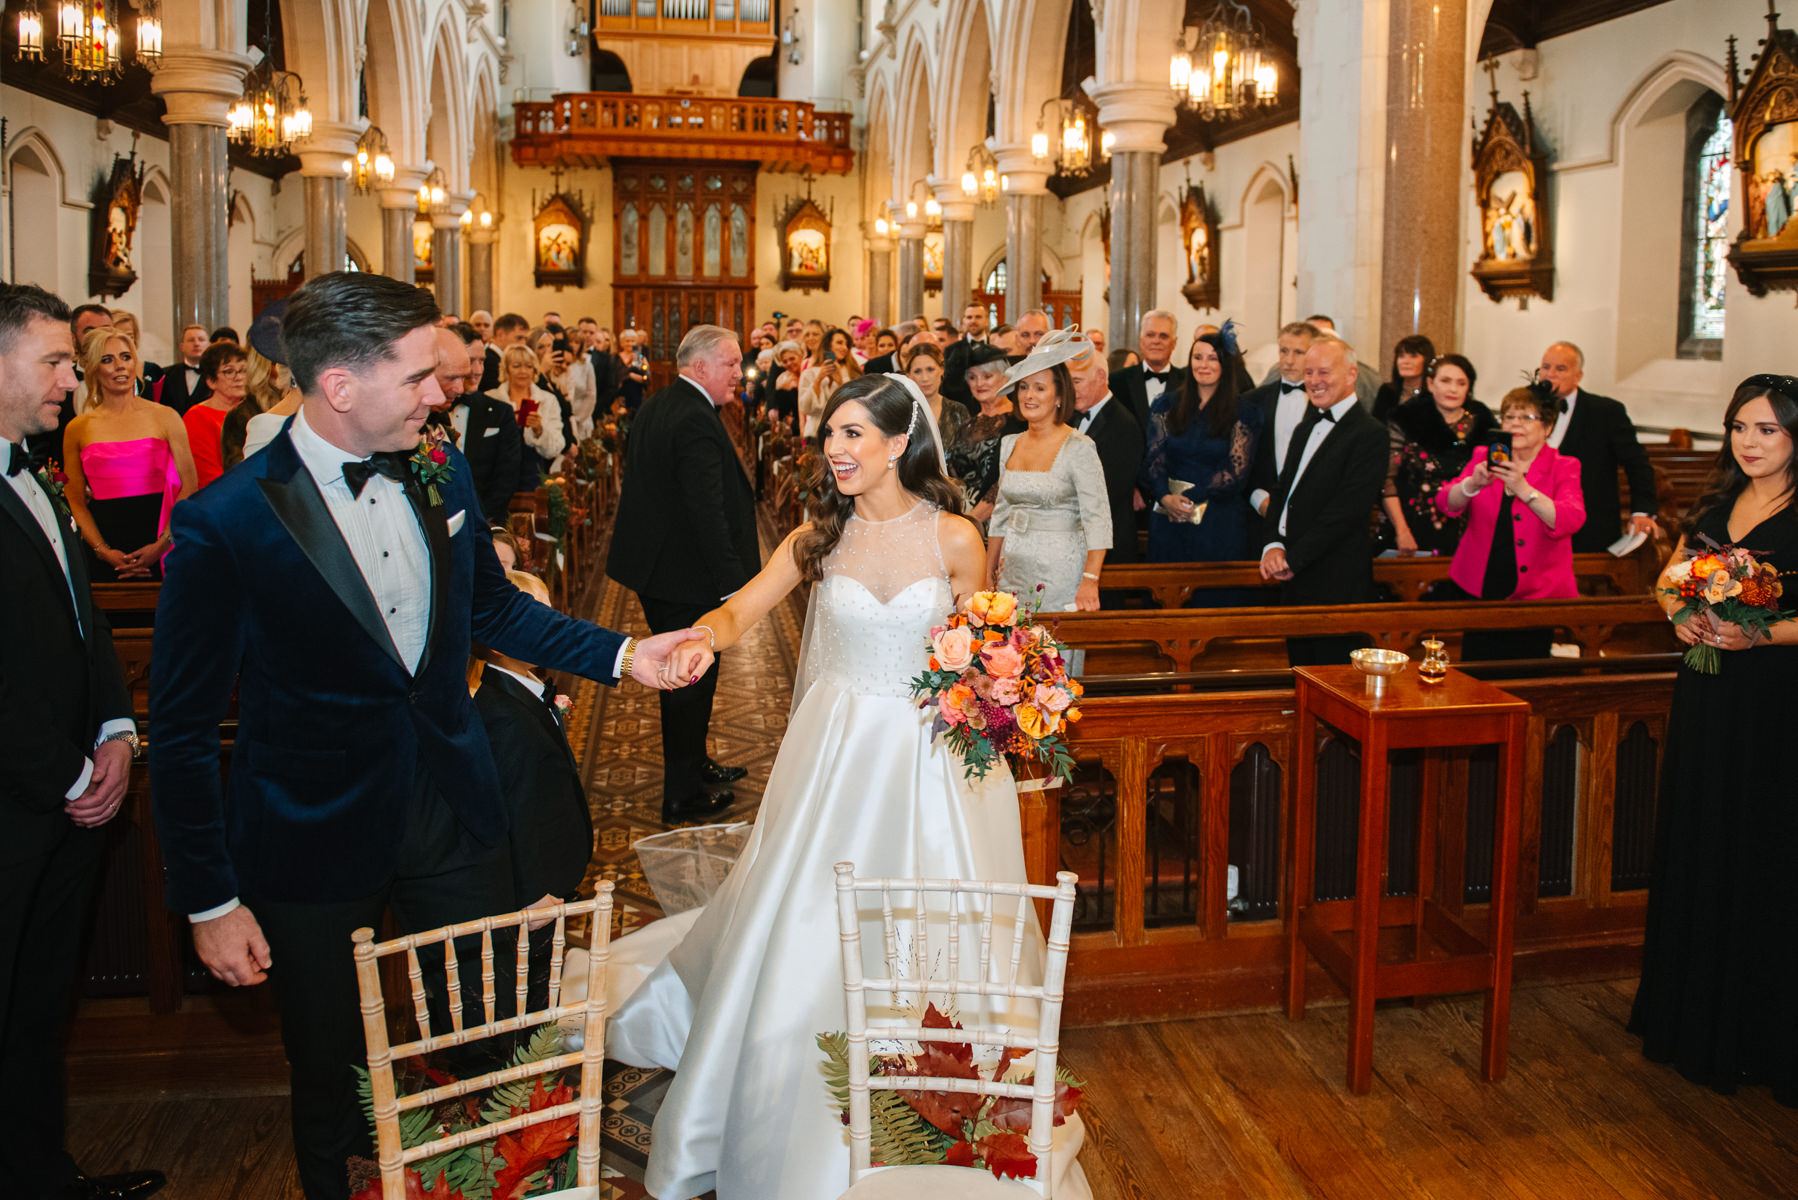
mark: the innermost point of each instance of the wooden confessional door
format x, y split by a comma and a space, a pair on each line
684, 239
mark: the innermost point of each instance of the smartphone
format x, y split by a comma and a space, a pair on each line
829, 356
561, 344
1498, 450
526, 408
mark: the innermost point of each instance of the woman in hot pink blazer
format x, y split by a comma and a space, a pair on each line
1518, 544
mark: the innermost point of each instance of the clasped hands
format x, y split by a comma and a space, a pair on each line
1705, 628
691, 659
665, 661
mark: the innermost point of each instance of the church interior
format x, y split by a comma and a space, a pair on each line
1494, 176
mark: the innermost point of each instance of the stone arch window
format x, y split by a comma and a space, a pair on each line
995, 278
1704, 230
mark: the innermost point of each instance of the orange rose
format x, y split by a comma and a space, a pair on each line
1706, 565
954, 648
992, 608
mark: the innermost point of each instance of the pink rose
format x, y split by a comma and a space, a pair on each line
1052, 699
954, 648
1003, 661
1007, 691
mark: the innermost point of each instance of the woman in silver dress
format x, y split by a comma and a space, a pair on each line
1051, 522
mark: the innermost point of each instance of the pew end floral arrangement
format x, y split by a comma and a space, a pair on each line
1730, 584
999, 686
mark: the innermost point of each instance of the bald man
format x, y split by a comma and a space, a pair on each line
1598, 432
485, 429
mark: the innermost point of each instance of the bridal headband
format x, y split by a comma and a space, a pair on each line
920, 411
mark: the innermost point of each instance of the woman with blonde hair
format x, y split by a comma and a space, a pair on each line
127, 462
539, 415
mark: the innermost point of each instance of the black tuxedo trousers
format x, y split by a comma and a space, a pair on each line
687, 711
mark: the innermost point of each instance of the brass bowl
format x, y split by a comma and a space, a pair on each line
1379, 662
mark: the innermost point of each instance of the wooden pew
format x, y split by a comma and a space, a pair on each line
1171, 585
1142, 641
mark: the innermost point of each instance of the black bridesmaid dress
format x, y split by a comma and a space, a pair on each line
1719, 992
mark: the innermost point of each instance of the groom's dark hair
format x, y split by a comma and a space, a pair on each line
350, 319
22, 303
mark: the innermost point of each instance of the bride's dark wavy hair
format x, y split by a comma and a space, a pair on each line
890, 406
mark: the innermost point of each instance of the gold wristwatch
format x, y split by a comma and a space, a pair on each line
630, 657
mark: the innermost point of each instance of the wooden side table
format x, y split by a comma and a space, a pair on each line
1444, 954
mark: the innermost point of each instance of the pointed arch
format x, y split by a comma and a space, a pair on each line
962, 93
321, 41
37, 150
1032, 34
878, 176
394, 73
913, 156
1264, 174
447, 133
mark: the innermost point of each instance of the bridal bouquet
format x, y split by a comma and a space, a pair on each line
1732, 585
999, 685
955, 1128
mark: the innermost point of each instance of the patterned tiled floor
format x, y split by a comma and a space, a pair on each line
617, 736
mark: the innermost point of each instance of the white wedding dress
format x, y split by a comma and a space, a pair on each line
733, 996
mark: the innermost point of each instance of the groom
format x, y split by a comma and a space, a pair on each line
333, 583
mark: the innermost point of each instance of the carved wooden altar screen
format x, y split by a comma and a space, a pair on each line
684, 252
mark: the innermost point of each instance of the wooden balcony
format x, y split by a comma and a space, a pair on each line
585, 129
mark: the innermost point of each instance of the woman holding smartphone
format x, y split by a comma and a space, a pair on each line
833, 366
1523, 505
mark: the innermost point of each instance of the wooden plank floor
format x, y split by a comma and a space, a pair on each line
1246, 1106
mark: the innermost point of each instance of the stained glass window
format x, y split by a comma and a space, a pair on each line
1712, 231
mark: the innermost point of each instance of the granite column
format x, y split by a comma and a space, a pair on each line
198, 87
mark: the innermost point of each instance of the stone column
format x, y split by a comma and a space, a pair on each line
1420, 277
911, 269
446, 258
1137, 116
958, 250
399, 208
880, 277
1026, 183
199, 87
327, 194
481, 240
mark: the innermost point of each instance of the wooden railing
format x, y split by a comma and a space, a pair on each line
780, 134
1173, 791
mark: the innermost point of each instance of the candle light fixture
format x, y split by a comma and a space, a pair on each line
1221, 67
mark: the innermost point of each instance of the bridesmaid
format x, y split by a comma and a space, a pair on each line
1719, 993
127, 463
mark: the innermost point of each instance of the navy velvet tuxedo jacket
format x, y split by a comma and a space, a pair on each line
261, 591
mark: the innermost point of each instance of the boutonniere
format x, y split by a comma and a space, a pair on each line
431, 463
564, 706
54, 481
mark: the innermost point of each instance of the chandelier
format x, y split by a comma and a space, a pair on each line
87, 37
373, 164
1220, 68
431, 192
1080, 144
271, 115
980, 182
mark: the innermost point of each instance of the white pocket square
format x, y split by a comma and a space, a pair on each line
455, 522
490, 431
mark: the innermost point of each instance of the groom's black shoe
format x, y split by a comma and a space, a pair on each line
717, 773
700, 807
131, 1185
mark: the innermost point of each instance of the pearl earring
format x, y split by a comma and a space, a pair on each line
892, 460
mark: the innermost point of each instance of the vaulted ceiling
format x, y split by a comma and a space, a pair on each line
1521, 24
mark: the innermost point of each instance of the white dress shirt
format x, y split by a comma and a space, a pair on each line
40, 506
1559, 432
458, 419
1084, 421
1154, 389
529, 683
1289, 410
1319, 432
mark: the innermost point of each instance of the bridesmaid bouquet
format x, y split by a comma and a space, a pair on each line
999, 685
1732, 585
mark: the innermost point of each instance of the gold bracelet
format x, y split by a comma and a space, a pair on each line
629, 659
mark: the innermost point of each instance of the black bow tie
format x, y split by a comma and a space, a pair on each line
549, 699
1157, 375
21, 458
1291, 387
391, 463
1315, 414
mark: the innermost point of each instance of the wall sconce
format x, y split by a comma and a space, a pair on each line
881, 227
790, 39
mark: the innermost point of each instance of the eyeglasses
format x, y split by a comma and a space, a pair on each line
1517, 418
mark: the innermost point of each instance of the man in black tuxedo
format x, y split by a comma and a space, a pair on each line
955, 359
552, 827
486, 430
1316, 525
1282, 401
1597, 431
888, 363
182, 386
66, 740
1140, 386
1121, 447
684, 540
335, 582
83, 319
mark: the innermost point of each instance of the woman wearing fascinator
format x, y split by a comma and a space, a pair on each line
1051, 523
733, 995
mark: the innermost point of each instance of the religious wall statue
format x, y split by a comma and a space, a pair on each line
1510, 185
933, 261
116, 203
1198, 236
1764, 110
559, 237
805, 244
423, 270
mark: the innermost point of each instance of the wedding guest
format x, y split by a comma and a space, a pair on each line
509, 330
538, 416
1411, 358
1203, 436
126, 323
226, 369
783, 395
606, 373
1005, 337
1432, 437
1519, 539
1315, 533
1597, 431
1141, 386
1120, 444
259, 429
976, 462
1367, 380
1719, 994
83, 319
633, 366
811, 339
181, 385
832, 366
861, 330
571, 377
1283, 402
924, 364
549, 826
552, 363
483, 428
1120, 358
482, 320
1097, 338
1031, 328
224, 333
127, 463
70, 739
505, 548
1051, 523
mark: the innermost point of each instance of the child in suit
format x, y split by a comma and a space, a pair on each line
552, 829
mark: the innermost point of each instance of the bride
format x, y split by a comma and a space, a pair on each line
734, 995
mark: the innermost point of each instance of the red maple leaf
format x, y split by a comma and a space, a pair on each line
1014, 1115
534, 1148
1008, 1154
961, 1154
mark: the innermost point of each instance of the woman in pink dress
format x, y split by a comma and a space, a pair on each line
127, 463
226, 369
